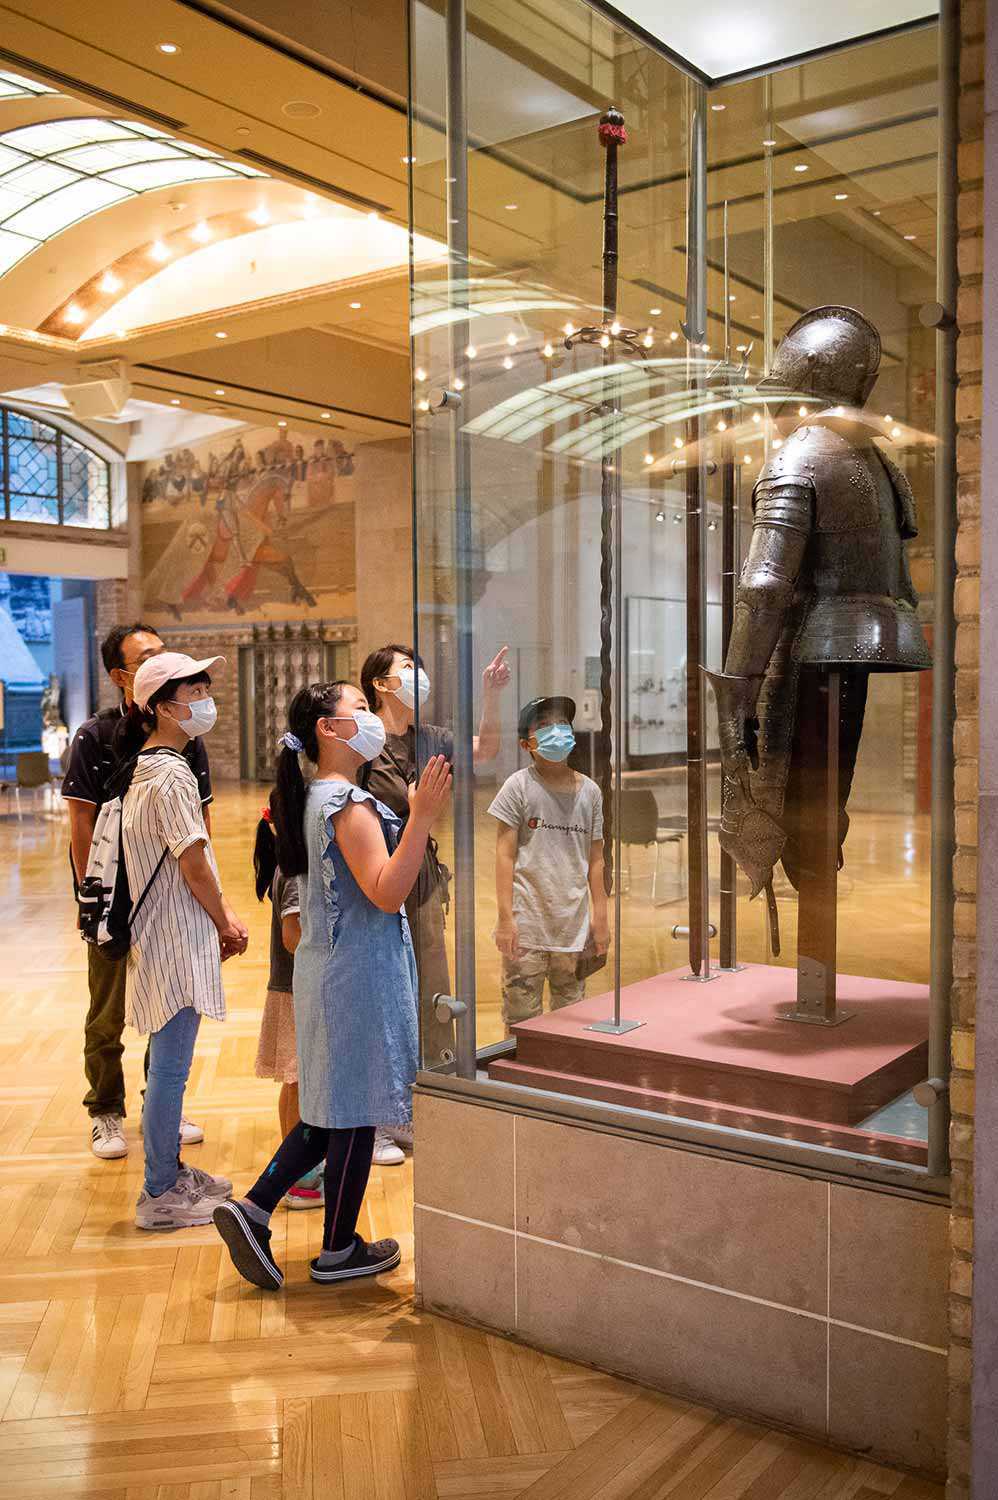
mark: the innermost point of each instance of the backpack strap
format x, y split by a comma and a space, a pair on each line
138, 905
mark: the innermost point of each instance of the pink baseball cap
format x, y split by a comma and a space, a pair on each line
168, 666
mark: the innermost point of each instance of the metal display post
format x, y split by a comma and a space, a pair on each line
464, 771
728, 909
942, 317
695, 328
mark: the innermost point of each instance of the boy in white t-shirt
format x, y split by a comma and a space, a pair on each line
549, 866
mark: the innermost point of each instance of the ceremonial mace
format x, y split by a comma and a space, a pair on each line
612, 135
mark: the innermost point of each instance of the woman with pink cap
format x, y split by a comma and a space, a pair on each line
181, 933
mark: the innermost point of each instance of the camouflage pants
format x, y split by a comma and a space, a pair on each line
523, 984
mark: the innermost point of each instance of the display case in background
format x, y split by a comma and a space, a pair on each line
584, 472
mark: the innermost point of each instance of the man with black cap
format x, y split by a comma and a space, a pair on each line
549, 866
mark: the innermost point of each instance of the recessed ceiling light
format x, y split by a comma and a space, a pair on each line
911, 236
748, 458
458, 383
507, 363
895, 432
407, 160
877, 212
281, 422
548, 351
219, 390
169, 49
802, 411
673, 336
356, 306
471, 351
741, 348
655, 312
649, 458
109, 282
677, 442
512, 207
647, 341
324, 415
512, 340
242, 130
801, 166
888, 418
419, 373
174, 400
301, 109
423, 405
74, 313
705, 348
201, 232
841, 197
722, 426
717, 108
159, 251
756, 418
221, 335
732, 297
569, 330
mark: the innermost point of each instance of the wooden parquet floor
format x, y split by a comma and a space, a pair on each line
138, 1367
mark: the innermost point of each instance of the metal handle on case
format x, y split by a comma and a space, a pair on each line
446, 1008
930, 1091
681, 931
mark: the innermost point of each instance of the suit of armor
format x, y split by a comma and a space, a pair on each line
825, 585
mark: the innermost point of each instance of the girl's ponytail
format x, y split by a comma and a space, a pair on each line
264, 855
307, 707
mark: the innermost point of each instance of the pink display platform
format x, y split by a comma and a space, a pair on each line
719, 1052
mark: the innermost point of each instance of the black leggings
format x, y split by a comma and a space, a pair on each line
348, 1156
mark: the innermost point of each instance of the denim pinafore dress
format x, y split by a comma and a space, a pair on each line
354, 982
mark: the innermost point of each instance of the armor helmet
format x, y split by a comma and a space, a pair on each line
830, 354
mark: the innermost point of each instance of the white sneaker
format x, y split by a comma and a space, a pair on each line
180, 1208
190, 1134
386, 1153
107, 1137
402, 1135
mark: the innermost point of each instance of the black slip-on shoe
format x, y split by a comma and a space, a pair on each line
248, 1243
364, 1260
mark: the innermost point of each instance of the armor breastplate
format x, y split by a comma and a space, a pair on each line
854, 599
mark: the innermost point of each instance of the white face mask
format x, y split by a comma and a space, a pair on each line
204, 716
369, 741
411, 683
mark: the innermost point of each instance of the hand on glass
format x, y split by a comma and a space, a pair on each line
507, 939
600, 933
429, 796
497, 674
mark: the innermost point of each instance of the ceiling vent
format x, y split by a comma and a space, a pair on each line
102, 392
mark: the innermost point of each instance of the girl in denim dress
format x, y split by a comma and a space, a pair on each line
354, 981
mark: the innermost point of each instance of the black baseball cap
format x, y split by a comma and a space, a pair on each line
531, 713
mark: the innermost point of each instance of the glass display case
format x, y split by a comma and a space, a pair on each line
648, 477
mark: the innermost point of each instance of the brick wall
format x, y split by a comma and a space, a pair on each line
968, 593
111, 607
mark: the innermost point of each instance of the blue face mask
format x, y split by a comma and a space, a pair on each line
555, 741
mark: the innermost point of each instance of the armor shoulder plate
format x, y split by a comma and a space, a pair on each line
844, 476
906, 508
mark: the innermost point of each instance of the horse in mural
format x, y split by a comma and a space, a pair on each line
251, 523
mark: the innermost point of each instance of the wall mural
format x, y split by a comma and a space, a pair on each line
259, 524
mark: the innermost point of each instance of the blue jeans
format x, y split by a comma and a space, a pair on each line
171, 1050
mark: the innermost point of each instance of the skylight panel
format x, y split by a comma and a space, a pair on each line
106, 155
55, 212
14, 86
155, 174
13, 247
57, 135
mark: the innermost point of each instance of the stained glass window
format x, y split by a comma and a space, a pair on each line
47, 476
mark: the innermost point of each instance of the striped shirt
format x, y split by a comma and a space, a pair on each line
174, 960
